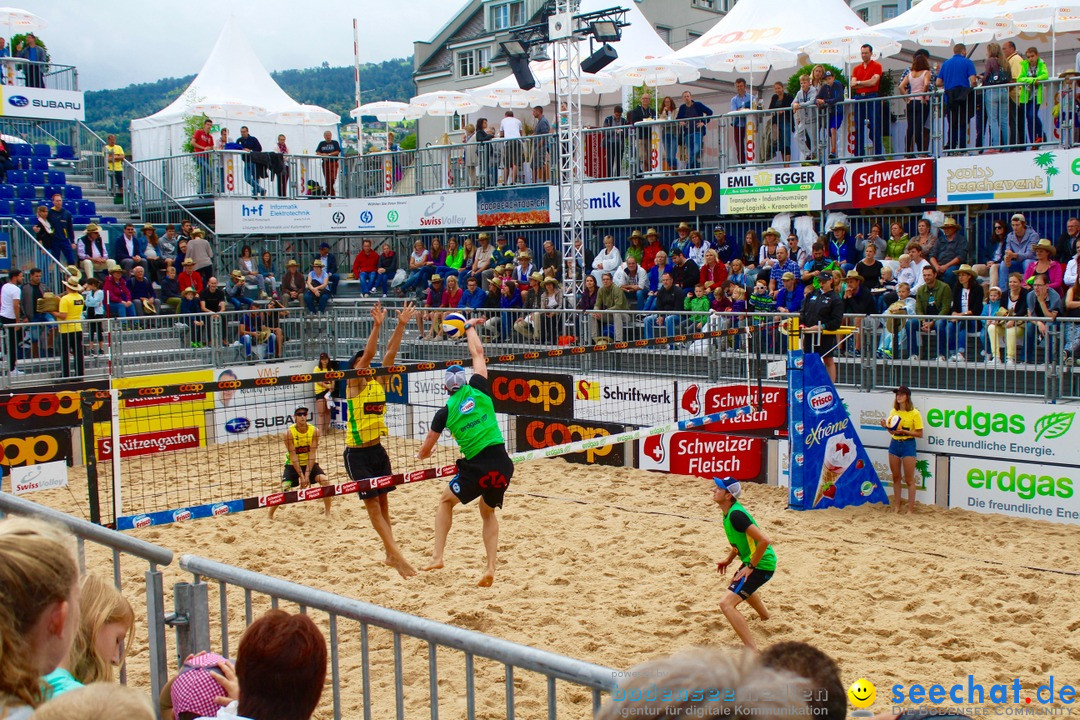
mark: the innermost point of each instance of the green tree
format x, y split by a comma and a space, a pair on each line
923, 468
1045, 161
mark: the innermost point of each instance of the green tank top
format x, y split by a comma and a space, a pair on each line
471, 420
745, 544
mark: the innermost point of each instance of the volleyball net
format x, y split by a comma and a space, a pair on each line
167, 448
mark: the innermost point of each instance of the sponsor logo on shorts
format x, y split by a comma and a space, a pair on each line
237, 425
181, 515
219, 509
455, 487
142, 521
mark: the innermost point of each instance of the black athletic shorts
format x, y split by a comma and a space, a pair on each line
819, 343
747, 586
368, 462
486, 475
290, 478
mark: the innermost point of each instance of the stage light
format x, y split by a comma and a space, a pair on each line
599, 59
606, 31
539, 53
515, 48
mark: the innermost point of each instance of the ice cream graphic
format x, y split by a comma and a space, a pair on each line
839, 454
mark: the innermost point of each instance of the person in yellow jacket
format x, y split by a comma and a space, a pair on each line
71, 337
1033, 74
365, 456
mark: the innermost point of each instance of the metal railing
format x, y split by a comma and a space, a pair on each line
883, 353
437, 637
116, 544
30, 73
149, 201
27, 253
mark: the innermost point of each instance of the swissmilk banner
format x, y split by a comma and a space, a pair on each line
830, 467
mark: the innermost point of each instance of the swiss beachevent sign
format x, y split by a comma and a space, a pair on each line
1040, 176
854, 186
771, 190
29, 102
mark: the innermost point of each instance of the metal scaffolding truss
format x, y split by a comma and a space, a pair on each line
566, 54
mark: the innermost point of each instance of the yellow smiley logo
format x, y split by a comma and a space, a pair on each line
862, 693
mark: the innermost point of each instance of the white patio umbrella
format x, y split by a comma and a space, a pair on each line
1050, 16
509, 97
655, 72
746, 57
386, 111
445, 103
845, 49
17, 20
930, 24
307, 115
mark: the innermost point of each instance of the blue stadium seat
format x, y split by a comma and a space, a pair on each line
42, 150
5, 207
73, 192
26, 191
7, 191
20, 150
35, 177
39, 163
23, 207
22, 163
17, 177
82, 219
51, 190
107, 220
65, 152
72, 206
57, 177
87, 207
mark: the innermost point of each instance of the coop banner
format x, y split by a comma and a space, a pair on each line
532, 393
677, 196
1041, 176
704, 454
535, 433
830, 465
56, 406
517, 206
265, 409
35, 447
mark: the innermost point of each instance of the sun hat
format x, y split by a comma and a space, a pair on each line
729, 484
652, 231
292, 263
965, 268
93, 227
771, 231
72, 284
188, 290
1045, 244
113, 266
553, 281
635, 233
454, 378
537, 276
236, 274
950, 222
194, 690
436, 278
840, 224
188, 261
317, 263
788, 276
197, 232
684, 226
852, 275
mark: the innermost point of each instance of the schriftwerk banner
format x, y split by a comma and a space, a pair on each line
830, 466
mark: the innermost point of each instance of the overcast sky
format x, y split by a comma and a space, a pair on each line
118, 42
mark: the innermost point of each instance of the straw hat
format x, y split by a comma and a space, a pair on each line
852, 275
840, 224
236, 274
292, 263
965, 268
113, 266
950, 222
148, 226
436, 278
72, 284
188, 290
636, 233
537, 276
188, 261
651, 232
93, 227
197, 232
317, 263
483, 236
774, 231
74, 272
684, 226
1045, 244
551, 280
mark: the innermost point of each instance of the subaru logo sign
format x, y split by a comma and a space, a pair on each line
366, 217
237, 425
19, 100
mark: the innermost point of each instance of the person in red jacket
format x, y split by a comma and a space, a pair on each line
365, 267
652, 246
190, 277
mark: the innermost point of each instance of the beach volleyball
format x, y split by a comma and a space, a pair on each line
893, 423
453, 325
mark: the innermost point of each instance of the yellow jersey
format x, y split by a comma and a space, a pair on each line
367, 415
117, 157
71, 304
327, 386
909, 420
302, 443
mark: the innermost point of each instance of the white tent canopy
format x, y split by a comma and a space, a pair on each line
233, 77
779, 23
944, 24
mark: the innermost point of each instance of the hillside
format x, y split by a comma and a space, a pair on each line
111, 111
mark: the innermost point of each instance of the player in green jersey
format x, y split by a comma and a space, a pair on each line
749, 544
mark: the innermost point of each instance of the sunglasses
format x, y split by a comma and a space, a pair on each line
300, 414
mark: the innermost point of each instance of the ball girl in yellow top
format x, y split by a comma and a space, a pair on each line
365, 456
302, 445
904, 424
322, 394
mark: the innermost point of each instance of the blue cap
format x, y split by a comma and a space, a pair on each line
455, 378
730, 484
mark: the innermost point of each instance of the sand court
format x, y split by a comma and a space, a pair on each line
616, 566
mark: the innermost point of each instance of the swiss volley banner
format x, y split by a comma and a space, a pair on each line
830, 467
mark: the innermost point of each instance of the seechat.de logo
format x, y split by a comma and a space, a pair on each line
19, 100
237, 425
821, 399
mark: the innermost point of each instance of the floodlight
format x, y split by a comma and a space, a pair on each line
606, 30
515, 48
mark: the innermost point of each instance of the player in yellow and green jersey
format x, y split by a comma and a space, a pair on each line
749, 544
365, 456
